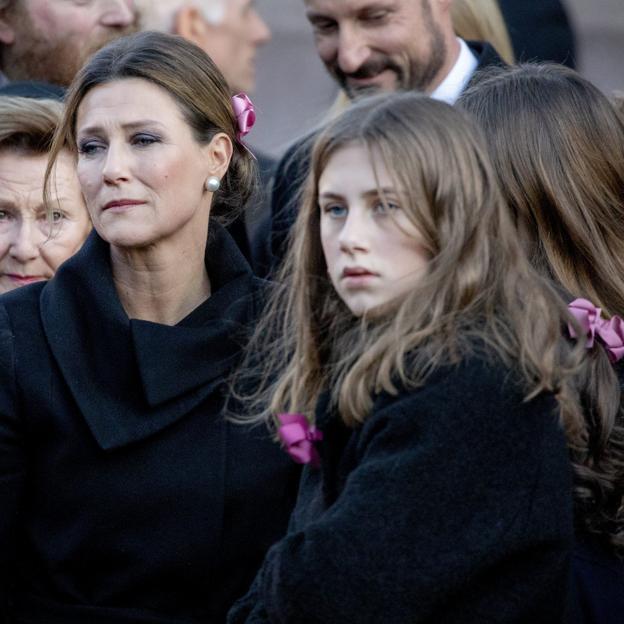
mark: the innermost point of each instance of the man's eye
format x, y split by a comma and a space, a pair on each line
323, 26
375, 16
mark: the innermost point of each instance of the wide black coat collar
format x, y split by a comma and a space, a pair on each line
132, 378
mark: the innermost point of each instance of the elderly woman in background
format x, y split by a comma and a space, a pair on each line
126, 493
33, 242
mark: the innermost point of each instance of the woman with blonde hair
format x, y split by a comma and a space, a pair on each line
418, 365
35, 239
557, 145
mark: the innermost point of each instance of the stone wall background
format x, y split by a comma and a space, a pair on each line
294, 91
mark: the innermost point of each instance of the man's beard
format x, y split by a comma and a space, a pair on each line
33, 57
414, 74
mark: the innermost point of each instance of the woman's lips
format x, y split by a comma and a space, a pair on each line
357, 276
22, 280
121, 204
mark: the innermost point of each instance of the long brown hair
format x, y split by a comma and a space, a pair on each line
189, 76
557, 145
479, 288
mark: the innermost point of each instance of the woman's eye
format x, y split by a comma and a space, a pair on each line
144, 140
89, 148
4, 215
57, 216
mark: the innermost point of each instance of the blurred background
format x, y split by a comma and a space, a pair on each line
294, 91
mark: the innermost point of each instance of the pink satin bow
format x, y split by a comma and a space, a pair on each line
610, 333
298, 436
245, 114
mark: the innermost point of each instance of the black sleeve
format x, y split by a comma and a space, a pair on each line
454, 497
12, 461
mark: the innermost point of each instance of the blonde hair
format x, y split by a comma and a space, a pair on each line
200, 91
479, 292
482, 20
28, 125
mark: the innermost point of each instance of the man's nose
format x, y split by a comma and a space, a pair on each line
261, 32
352, 50
119, 13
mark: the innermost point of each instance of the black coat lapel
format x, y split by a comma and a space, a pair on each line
132, 378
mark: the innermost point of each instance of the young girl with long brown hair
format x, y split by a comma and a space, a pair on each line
557, 145
418, 365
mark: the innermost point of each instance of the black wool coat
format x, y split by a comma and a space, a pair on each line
451, 504
294, 166
125, 494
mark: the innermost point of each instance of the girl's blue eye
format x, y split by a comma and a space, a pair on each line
385, 207
335, 210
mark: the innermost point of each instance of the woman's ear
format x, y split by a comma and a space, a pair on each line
218, 154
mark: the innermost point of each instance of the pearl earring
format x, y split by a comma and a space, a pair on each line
213, 184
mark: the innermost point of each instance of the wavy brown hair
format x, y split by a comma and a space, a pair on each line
557, 145
479, 289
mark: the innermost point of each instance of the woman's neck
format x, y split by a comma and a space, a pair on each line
159, 283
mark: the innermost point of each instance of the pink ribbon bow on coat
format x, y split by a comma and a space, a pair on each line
610, 333
245, 114
298, 437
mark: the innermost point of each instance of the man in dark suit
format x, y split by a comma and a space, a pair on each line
370, 46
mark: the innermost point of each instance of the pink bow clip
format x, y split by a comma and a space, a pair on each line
245, 114
298, 436
610, 333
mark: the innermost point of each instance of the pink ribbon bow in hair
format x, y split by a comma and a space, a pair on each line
298, 437
245, 114
610, 333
